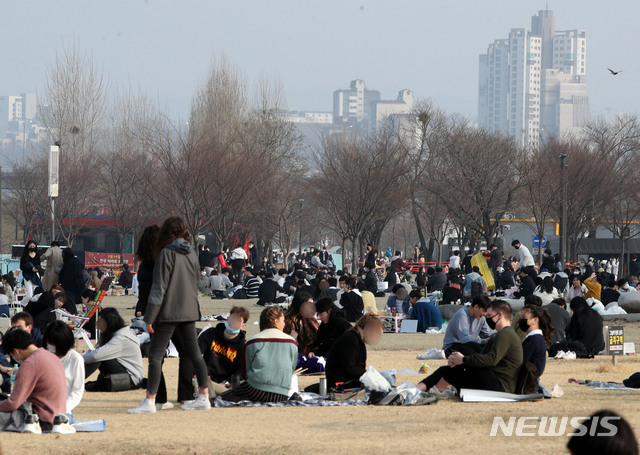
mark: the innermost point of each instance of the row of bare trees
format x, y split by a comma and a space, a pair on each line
236, 169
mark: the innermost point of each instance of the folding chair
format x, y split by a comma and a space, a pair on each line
77, 323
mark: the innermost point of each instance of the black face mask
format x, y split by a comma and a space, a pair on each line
491, 323
523, 324
32, 249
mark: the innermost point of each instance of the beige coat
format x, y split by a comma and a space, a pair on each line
53, 256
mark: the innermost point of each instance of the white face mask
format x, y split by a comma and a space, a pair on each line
626, 287
51, 348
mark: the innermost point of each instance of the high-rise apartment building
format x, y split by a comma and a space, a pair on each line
533, 84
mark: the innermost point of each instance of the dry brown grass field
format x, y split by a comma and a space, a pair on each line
443, 427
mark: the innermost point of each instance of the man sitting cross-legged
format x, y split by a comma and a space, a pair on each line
468, 331
495, 368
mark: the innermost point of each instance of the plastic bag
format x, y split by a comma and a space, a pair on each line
373, 380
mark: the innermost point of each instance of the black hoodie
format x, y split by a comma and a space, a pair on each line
221, 355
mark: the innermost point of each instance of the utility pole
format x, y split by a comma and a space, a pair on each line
54, 156
563, 222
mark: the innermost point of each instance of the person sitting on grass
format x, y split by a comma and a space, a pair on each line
351, 300
424, 311
452, 292
468, 331
40, 381
23, 321
59, 340
347, 358
219, 284
536, 323
270, 358
532, 300
221, 348
398, 300
41, 307
333, 325
584, 332
300, 322
495, 368
117, 354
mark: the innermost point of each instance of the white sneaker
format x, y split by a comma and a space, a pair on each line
61, 425
146, 406
164, 406
201, 403
32, 425
570, 355
560, 355
432, 354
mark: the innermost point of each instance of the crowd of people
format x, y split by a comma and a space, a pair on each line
312, 319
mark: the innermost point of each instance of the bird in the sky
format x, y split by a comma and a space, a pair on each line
615, 73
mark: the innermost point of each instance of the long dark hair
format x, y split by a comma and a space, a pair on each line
544, 321
25, 251
547, 285
173, 228
145, 252
114, 323
299, 298
67, 254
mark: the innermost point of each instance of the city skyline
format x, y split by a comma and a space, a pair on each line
166, 50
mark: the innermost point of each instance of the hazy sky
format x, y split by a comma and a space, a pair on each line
315, 47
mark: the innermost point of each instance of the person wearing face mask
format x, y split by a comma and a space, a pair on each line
30, 267
270, 358
221, 348
347, 358
59, 339
536, 323
495, 368
40, 381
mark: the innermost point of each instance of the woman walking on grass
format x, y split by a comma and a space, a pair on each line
172, 310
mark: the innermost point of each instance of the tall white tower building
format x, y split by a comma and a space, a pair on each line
533, 84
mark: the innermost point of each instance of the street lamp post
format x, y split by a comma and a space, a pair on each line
54, 156
563, 221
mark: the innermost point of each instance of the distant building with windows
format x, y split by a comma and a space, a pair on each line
363, 109
533, 84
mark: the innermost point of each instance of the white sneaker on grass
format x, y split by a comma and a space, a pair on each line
146, 406
431, 354
164, 406
61, 425
569, 355
201, 403
32, 425
560, 355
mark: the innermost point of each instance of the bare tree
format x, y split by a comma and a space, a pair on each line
541, 179
122, 167
73, 115
476, 178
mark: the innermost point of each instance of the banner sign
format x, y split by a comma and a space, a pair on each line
109, 260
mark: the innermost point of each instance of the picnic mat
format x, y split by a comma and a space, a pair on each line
308, 400
602, 385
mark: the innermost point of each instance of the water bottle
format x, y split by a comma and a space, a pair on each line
14, 372
90, 426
